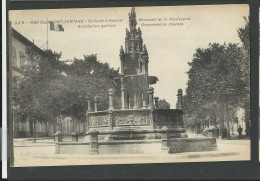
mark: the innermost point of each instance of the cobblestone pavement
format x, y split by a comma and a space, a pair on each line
41, 153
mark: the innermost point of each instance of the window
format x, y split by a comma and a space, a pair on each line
14, 58
22, 58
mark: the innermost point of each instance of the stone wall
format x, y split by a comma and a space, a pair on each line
179, 145
167, 117
173, 145
135, 117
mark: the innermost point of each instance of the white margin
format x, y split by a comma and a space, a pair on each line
4, 95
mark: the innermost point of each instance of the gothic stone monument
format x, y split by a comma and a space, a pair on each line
132, 104
133, 123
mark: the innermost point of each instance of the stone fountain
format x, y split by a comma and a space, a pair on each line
133, 122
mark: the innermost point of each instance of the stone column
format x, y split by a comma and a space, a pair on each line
123, 99
138, 99
111, 98
121, 55
179, 102
135, 99
123, 96
86, 128
93, 143
156, 102
110, 120
150, 97
144, 101
144, 104
89, 106
95, 104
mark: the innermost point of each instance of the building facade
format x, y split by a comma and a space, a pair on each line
19, 44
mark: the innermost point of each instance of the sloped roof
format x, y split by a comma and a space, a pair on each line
26, 42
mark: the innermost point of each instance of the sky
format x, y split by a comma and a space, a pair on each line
170, 47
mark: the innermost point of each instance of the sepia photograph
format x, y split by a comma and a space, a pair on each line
129, 85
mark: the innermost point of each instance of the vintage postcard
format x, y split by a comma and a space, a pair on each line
129, 85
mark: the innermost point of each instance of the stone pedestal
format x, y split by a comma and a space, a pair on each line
74, 136
93, 142
111, 99
164, 139
179, 101
58, 136
210, 132
89, 105
95, 104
